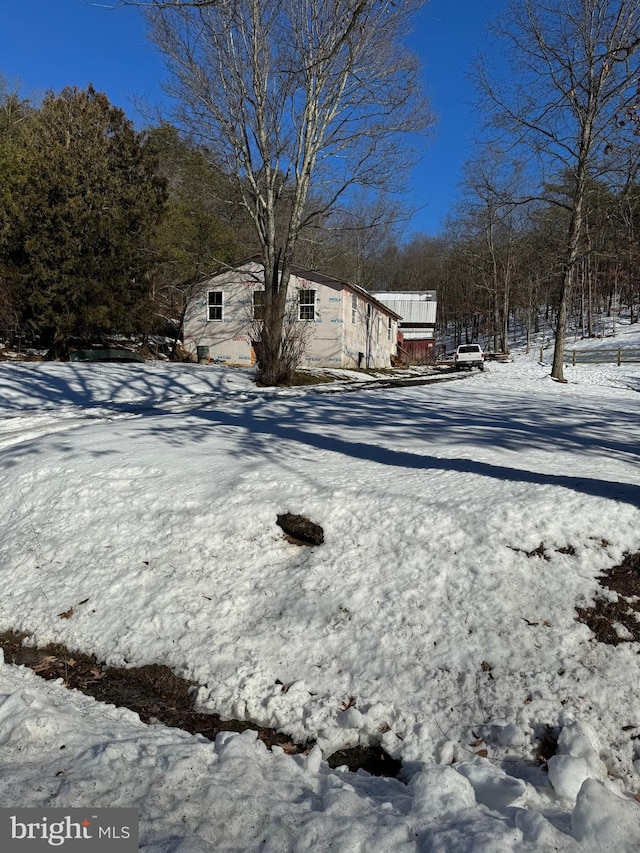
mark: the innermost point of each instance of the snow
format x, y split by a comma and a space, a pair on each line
464, 522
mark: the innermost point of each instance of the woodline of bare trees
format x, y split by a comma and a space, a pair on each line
574, 70
497, 267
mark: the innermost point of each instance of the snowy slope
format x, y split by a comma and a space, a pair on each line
464, 523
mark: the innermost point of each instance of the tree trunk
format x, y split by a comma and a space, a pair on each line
273, 369
505, 320
575, 230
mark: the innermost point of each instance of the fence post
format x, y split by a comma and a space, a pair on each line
574, 359
619, 357
541, 352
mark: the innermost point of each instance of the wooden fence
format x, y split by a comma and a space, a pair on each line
603, 355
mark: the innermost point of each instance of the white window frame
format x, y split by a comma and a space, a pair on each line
307, 308
389, 329
354, 309
215, 305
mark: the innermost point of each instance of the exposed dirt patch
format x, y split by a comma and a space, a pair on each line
305, 377
617, 621
155, 693
625, 578
547, 737
541, 551
372, 759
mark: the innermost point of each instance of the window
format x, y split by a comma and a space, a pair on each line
354, 308
389, 328
214, 305
307, 304
258, 304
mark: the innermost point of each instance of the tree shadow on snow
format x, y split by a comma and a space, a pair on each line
395, 428
348, 427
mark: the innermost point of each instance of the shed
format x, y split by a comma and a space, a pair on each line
416, 330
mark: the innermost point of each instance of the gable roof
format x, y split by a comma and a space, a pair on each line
323, 278
319, 277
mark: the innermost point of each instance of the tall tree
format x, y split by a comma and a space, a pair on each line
14, 112
575, 67
84, 202
300, 101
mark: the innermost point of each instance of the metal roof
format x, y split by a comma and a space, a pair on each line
406, 295
418, 306
417, 334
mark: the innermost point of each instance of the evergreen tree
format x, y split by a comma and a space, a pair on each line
13, 112
83, 199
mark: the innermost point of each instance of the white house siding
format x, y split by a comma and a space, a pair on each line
334, 341
367, 342
325, 348
228, 339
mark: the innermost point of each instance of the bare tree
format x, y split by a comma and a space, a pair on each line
490, 221
301, 102
575, 70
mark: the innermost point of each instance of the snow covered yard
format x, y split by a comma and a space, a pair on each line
464, 525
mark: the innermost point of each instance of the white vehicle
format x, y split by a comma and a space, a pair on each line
468, 356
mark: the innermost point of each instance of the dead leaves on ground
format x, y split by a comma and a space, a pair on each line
481, 753
74, 673
67, 614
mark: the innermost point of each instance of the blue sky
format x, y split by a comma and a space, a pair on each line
49, 44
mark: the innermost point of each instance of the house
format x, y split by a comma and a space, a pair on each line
416, 332
345, 325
